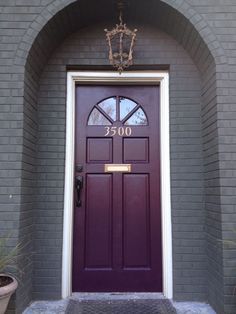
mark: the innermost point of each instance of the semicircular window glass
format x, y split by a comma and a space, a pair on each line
137, 118
126, 106
97, 118
109, 107
117, 109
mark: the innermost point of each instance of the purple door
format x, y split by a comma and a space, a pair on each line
117, 220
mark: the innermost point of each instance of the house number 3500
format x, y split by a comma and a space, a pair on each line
121, 131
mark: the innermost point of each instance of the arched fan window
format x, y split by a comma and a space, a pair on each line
117, 109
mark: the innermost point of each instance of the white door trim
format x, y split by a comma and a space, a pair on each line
141, 77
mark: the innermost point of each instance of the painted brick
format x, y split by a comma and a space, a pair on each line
34, 147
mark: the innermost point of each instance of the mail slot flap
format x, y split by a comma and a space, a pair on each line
117, 168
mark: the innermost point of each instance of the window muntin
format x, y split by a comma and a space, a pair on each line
118, 108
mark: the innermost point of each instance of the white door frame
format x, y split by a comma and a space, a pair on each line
139, 77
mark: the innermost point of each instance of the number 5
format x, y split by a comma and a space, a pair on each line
113, 130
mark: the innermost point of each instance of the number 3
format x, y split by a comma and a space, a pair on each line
107, 130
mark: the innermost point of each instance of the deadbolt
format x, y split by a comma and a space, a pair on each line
79, 168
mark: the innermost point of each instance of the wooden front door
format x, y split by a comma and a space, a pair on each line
117, 216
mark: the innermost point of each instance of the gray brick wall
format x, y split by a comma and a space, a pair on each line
186, 155
202, 138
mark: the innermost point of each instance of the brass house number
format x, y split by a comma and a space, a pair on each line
120, 131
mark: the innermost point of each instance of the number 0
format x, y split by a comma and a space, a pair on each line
121, 131
128, 131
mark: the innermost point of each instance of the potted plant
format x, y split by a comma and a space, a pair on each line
8, 283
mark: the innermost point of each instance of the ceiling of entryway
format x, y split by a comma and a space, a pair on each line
86, 13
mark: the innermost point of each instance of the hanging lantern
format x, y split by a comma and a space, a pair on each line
121, 43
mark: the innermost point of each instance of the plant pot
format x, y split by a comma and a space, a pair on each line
6, 292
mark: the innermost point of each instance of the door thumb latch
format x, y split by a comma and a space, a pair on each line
79, 168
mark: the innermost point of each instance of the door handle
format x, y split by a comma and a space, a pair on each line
78, 186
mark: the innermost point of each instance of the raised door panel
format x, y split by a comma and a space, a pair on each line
136, 150
136, 221
99, 150
98, 221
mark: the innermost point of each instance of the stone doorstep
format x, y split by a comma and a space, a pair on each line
59, 307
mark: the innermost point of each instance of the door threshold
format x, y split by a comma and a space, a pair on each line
116, 295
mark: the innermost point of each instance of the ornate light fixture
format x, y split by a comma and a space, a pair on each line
121, 42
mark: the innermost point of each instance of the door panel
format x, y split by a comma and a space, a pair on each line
117, 225
136, 150
136, 221
99, 150
98, 221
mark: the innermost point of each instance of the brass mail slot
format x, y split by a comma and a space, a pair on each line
117, 168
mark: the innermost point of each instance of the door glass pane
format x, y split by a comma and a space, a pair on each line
126, 105
137, 118
109, 106
96, 118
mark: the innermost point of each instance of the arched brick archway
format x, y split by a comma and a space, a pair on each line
194, 19
186, 26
